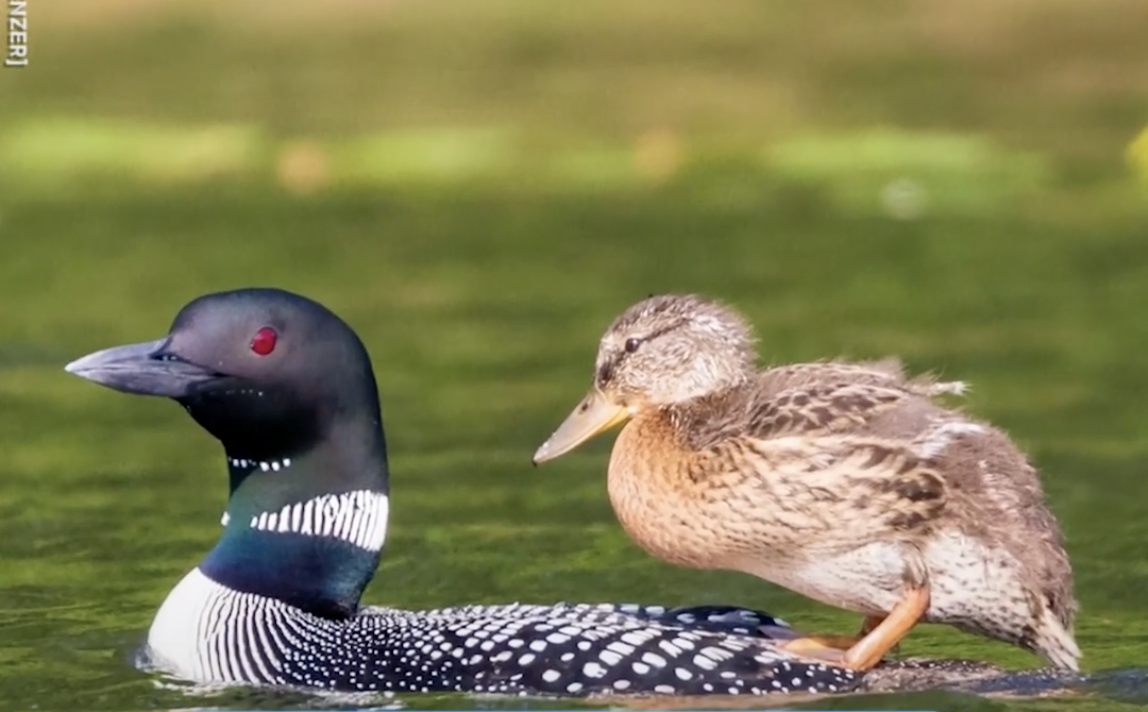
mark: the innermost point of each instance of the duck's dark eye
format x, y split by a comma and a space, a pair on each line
632, 344
264, 340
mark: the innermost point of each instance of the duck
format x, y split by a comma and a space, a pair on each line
287, 388
850, 483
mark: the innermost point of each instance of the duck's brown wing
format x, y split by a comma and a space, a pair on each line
857, 488
820, 409
888, 373
807, 458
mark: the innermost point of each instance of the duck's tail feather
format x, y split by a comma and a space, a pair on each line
1056, 644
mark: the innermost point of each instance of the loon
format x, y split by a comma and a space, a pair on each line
288, 389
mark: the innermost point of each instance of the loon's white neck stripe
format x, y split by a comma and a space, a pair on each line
240, 463
358, 517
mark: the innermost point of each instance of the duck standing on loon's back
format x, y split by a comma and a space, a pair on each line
846, 482
287, 387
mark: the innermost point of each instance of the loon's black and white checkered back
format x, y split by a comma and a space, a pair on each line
228, 636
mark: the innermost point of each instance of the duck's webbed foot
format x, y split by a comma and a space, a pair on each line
881, 635
824, 648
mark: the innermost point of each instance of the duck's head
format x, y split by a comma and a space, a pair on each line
287, 387
662, 351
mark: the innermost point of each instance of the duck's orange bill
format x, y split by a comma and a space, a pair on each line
593, 415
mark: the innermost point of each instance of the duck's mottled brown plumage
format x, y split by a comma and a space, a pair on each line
846, 482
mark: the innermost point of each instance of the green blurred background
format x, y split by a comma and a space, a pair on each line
479, 187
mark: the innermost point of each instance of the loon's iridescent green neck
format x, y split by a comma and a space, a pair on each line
307, 530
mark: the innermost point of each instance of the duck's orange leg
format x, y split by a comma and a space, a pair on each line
867, 627
880, 635
889, 632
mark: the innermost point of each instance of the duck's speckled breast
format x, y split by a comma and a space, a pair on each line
666, 510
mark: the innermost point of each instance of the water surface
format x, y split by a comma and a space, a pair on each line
109, 499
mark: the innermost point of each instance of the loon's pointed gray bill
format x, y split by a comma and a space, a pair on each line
145, 369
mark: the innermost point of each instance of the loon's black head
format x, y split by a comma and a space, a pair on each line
265, 371
287, 387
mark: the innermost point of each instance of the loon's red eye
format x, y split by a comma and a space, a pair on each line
264, 340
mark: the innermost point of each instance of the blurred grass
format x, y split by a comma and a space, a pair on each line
744, 68
501, 86
479, 188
